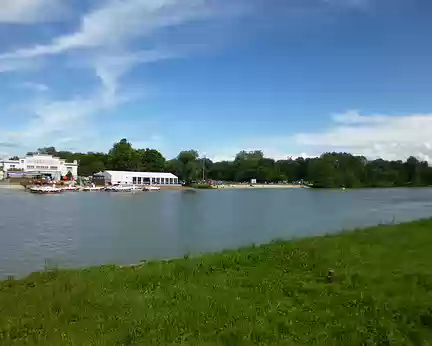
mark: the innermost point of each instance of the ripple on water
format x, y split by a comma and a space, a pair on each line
89, 229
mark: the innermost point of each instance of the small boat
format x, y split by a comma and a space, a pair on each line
151, 188
70, 188
122, 188
109, 188
45, 189
92, 189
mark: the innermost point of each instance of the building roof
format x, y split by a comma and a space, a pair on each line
141, 174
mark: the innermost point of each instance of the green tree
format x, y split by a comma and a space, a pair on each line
188, 165
123, 157
173, 166
14, 158
222, 171
47, 151
322, 173
151, 160
247, 165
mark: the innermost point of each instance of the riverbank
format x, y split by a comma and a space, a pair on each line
378, 291
261, 186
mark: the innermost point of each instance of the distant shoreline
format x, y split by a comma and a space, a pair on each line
261, 186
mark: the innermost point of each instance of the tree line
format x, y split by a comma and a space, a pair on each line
330, 170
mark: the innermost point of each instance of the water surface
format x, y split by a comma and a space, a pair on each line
82, 229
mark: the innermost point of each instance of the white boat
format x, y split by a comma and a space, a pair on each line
70, 188
123, 188
45, 189
92, 189
151, 188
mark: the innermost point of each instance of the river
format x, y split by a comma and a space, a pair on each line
83, 229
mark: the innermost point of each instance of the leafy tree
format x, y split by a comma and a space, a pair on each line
222, 171
14, 158
188, 165
47, 151
328, 170
173, 166
123, 157
151, 160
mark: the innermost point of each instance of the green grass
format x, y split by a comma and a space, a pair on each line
278, 294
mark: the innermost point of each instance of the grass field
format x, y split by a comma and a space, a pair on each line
379, 292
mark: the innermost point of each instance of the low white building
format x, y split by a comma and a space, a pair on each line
41, 164
139, 178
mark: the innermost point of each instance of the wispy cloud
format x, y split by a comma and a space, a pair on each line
31, 11
12, 65
8, 145
358, 4
117, 24
117, 35
387, 136
38, 87
103, 41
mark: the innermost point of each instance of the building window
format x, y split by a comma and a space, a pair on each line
139, 180
171, 181
53, 167
157, 180
162, 181
22, 161
12, 166
175, 181
166, 181
153, 180
69, 168
134, 180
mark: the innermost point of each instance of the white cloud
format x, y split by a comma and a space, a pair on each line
39, 87
103, 42
375, 136
385, 136
358, 4
118, 23
30, 11
110, 68
56, 119
11, 65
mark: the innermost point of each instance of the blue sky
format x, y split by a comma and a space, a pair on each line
290, 77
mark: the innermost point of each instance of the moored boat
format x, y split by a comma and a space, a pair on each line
70, 188
123, 188
92, 188
151, 188
45, 189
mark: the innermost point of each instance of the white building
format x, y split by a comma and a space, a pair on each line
41, 164
139, 178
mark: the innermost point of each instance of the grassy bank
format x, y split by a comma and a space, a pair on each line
380, 292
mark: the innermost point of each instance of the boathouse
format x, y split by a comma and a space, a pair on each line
40, 164
138, 178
